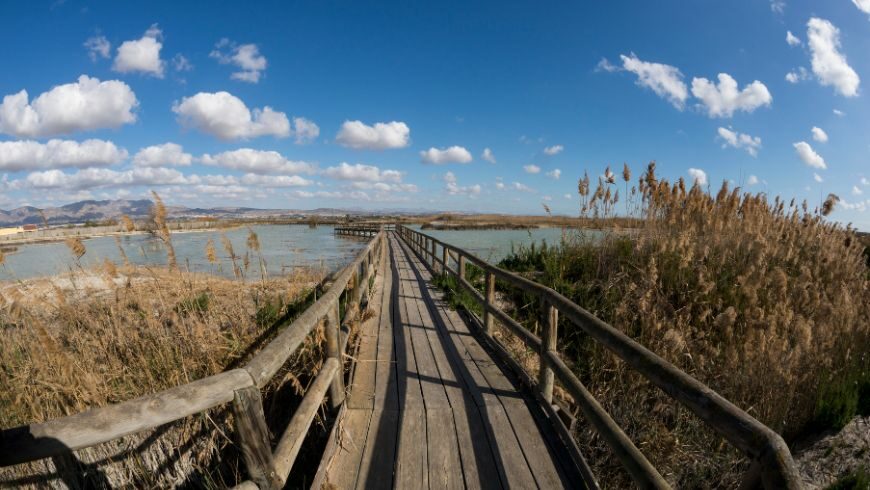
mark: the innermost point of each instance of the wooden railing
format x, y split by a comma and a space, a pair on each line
361, 229
771, 460
267, 468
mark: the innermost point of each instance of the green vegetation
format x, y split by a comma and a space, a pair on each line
857, 480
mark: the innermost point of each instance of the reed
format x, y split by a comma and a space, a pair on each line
765, 301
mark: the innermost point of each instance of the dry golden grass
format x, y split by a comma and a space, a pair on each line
765, 301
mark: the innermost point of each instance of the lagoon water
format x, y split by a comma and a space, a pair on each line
283, 248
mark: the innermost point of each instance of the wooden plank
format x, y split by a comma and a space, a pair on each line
253, 437
386, 385
376, 469
352, 436
412, 467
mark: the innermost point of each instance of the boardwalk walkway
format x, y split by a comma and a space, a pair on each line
428, 405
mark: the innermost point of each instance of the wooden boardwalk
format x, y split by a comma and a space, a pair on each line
429, 407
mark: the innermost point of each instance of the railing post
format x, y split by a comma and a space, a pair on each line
333, 349
550, 320
445, 257
490, 299
461, 265
253, 435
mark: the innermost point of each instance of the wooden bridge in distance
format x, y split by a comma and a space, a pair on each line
427, 398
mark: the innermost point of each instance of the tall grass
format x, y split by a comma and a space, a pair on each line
767, 302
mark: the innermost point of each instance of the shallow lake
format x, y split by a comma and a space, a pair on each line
282, 247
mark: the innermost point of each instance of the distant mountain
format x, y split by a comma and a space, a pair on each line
82, 211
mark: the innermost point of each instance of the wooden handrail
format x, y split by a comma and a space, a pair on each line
753, 438
240, 386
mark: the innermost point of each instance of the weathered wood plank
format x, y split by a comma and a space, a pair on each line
412, 466
351, 437
377, 467
253, 437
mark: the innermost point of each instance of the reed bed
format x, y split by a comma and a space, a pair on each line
101, 336
767, 302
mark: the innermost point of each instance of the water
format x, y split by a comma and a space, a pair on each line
494, 245
283, 248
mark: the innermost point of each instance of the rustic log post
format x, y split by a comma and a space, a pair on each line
333, 349
253, 435
550, 321
490, 299
461, 265
445, 258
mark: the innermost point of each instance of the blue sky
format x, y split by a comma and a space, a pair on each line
121, 99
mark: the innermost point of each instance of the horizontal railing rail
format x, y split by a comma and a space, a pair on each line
267, 468
772, 460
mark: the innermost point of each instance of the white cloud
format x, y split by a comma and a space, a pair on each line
554, 150
102, 177
247, 57
517, 186
820, 135
226, 117
863, 5
809, 156
85, 105
665, 80
865, 181
141, 55
167, 154
818, 178
859, 206
98, 47
724, 98
31, 155
798, 75
828, 63
380, 136
531, 169
487, 155
856, 191
554, 174
364, 173
605, 65
454, 154
453, 188
752, 180
777, 6
258, 162
181, 63
546, 198
791, 39
740, 140
698, 176
275, 180
306, 131
839, 113
567, 196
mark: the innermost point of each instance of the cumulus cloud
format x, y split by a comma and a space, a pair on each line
454, 154
181, 63
363, 173
275, 180
305, 130
487, 155
554, 174
516, 186
820, 135
818, 178
665, 80
698, 176
98, 47
809, 156
85, 105
777, 6
167, 154
791, 39
554, 150
258, 162
863, 5
752, 180
31, 155
828, 63
606, 65
798, 75
724, 98
246, 57
839, 113
102, 177
738, 140
380, 136
226, 117
141, 55
856, 191
453, 188
531, 169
